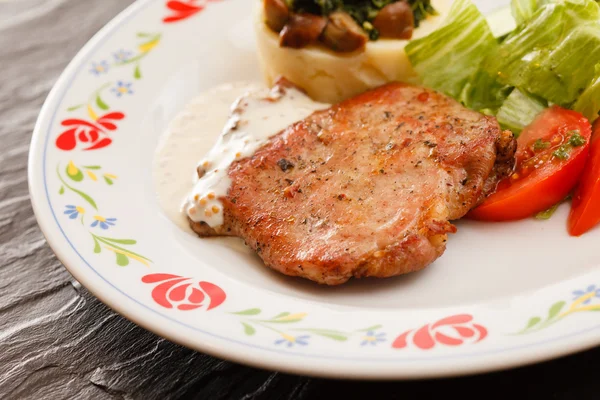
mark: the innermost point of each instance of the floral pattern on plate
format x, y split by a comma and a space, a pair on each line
173, 291
182, 10
584, 300
291, 330
455, 330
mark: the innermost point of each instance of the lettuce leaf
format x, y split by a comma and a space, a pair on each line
519, 110
589, 102
501, 22
484, 93
449, 57
554, 54
552, 57
523, 10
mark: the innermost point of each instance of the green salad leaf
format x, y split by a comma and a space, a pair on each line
523, 10
501, 22
484, 93
554, 54
551, 57
547, 214
449, 57
519, 110
589, 102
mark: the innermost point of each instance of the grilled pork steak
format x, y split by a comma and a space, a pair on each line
366, 188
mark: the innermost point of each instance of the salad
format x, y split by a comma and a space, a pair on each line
542, 82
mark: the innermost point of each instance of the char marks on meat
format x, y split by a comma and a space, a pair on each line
366, 188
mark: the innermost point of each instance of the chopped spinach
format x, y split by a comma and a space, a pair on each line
360, 10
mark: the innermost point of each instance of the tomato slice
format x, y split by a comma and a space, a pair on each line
585, 209
551, 155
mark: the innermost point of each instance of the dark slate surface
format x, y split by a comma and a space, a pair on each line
59, 342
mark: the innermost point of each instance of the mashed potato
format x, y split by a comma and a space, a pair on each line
330, 77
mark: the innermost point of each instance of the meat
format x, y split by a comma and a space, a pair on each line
366, 188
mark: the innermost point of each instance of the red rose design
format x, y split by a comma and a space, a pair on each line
183, 293
94, 134
182, 10
451, 331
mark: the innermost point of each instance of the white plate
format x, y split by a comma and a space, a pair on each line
503, 295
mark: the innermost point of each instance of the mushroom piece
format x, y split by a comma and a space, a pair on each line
343, 34
302, 30
395, 21
276, 14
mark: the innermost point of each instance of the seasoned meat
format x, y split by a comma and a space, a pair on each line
506, 147
364, 189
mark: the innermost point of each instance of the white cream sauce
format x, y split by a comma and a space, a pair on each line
224, 124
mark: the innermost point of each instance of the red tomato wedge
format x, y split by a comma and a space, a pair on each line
585, 209
551, 155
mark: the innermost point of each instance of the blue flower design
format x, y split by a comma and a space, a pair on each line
290, 340
122, 88
122, 55
74, 211
372, 338
590, 289
100, 68
104, 223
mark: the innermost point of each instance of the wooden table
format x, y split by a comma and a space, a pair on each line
59, 342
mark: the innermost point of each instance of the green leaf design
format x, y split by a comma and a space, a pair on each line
331, 334
555, 309
108, 180
287, 318
371, 328
287, 321
75, 174
120, 241
101, 103
86, 198
131, 60
77, 107
533, 322
80, 193
129, 252
334, 336
143, 35
97, 248
248, 329
92, 167
137, 74
122, 260
250, 311
62, 190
